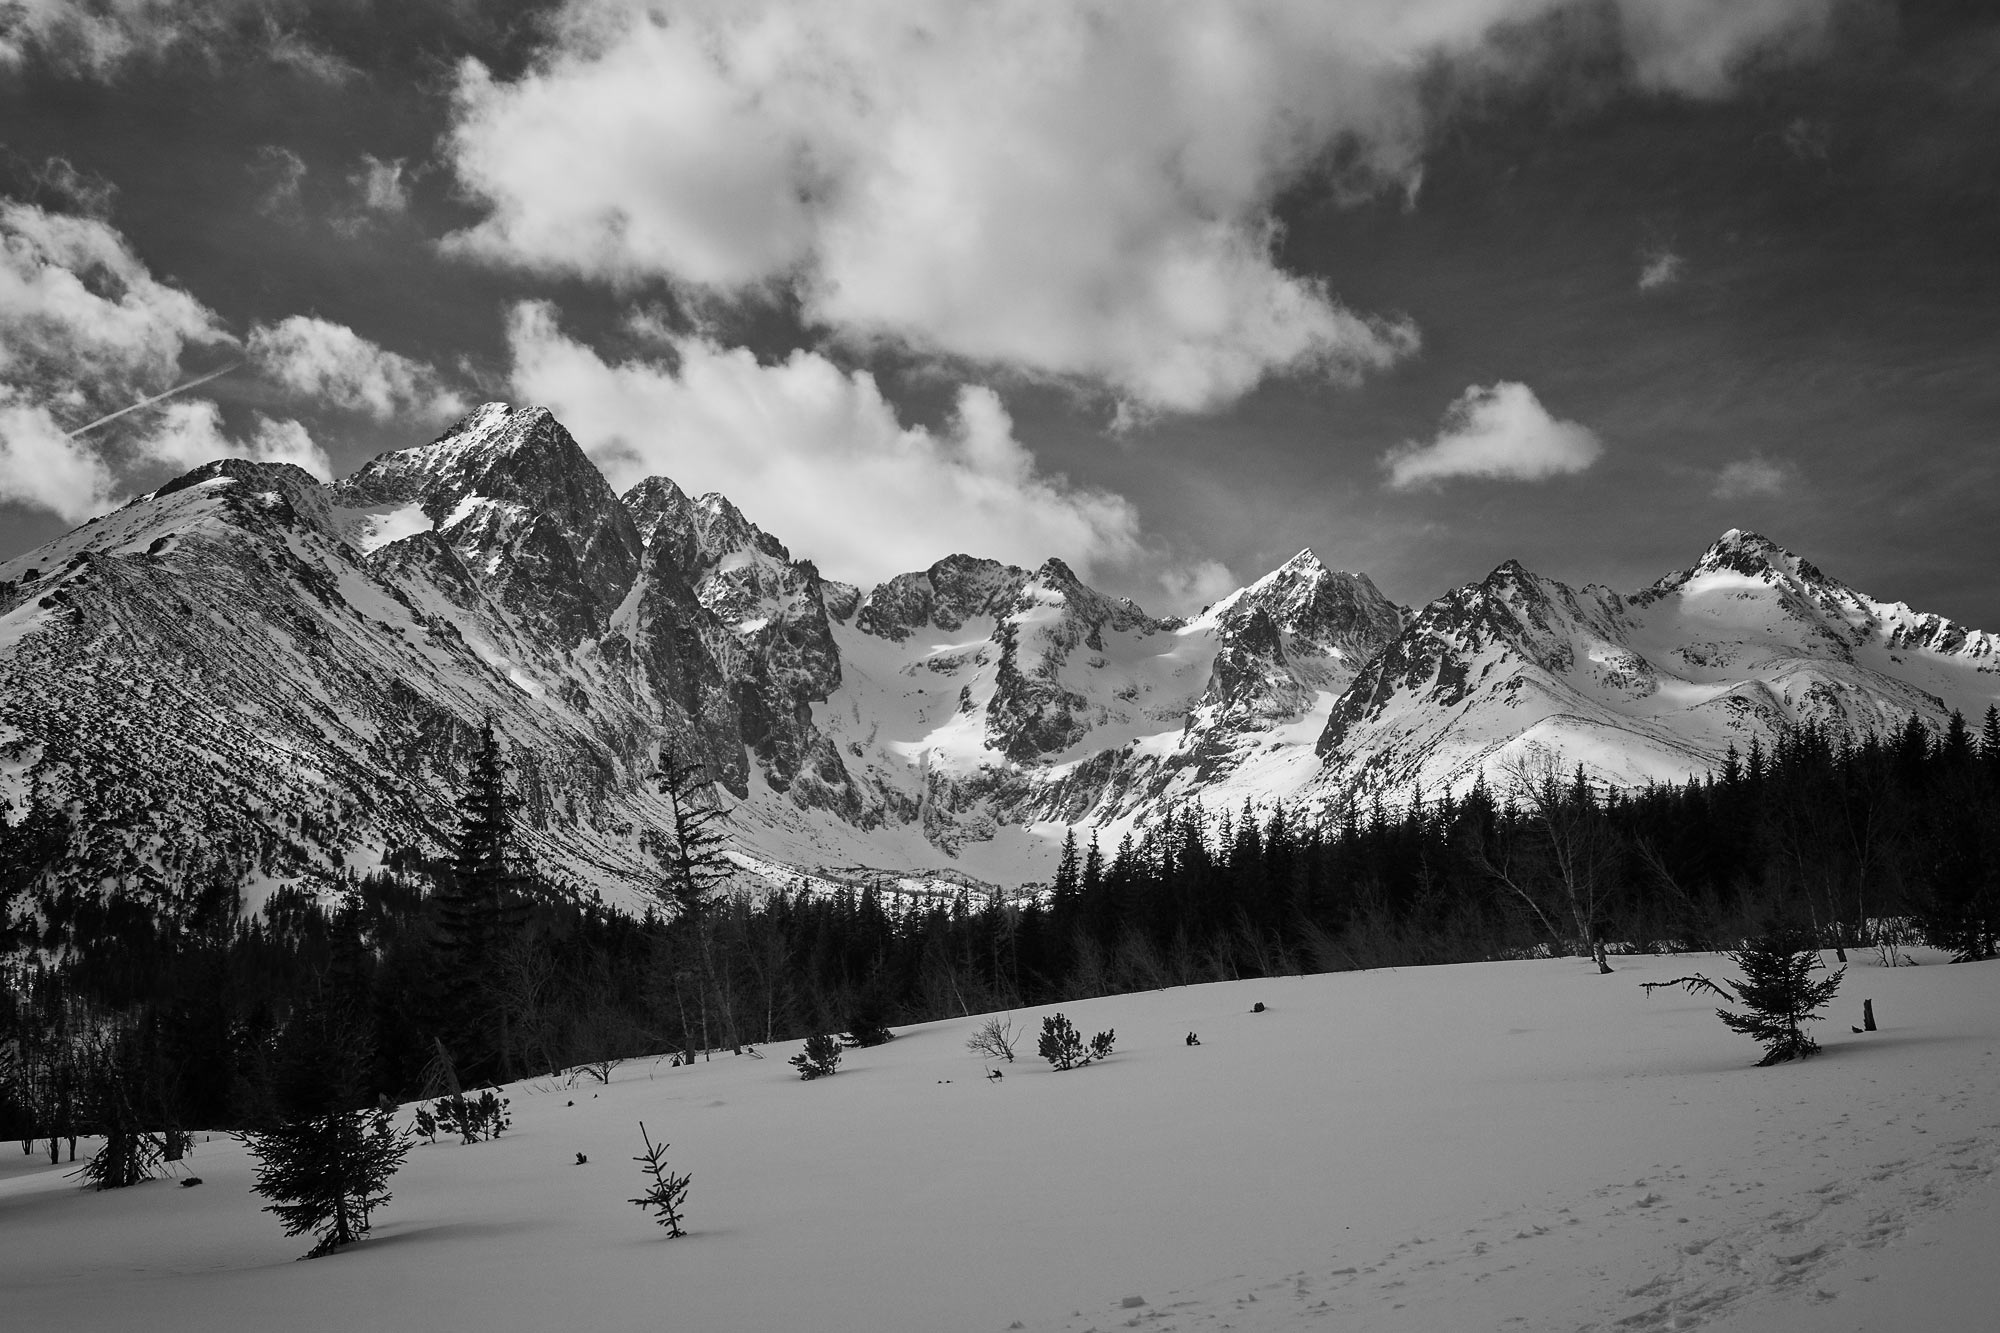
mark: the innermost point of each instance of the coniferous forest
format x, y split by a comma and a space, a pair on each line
120, 1019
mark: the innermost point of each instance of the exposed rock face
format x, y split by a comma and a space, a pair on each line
516, 498
254, 676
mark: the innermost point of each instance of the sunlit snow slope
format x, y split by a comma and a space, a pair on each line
1524, 1145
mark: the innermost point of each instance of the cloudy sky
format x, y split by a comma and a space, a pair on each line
1167, 289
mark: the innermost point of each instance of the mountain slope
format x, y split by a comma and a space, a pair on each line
253, 676
1654, 686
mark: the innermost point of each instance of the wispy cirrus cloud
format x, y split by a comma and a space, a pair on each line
1743, 478
102, 39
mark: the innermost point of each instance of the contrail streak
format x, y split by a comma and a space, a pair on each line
148, 402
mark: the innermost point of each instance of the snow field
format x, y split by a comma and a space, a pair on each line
1493, 1146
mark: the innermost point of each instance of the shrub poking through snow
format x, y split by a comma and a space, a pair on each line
820, 1057
665, 1195
426, 1125
994, 1040
327, 1174
1062, 1045
474, 1118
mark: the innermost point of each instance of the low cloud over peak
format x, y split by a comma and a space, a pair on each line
1497, 431
819, 456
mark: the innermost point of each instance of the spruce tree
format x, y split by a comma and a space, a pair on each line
1093, 868
1778, 993
327, 1174
480, 906
326, 1164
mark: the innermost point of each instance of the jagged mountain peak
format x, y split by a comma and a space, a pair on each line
699, 532
1739, 562
496, 452
956, 589
1304, 594
1753, 553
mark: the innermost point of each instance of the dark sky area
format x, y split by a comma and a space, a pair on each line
1612, 284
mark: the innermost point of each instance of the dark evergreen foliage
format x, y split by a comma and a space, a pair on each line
327, 1174
1839, 834
667, 1192
471, 1118
696, 866
480, 910
1063, 1046
820, 1057
1778, 993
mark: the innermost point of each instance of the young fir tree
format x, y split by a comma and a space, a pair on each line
1778, 993
326, 1165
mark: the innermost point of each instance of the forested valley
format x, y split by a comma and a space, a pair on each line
432, 975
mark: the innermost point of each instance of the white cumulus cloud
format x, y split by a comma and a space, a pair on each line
189, 433
1200, 583
42, 467
79, 311
818, 457
332, 364
1497, 431
1064, 189
87, 332
1080, 189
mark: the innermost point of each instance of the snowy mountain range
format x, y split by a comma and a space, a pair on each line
253, 675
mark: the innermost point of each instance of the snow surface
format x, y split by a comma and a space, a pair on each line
1491, 1146
376, 526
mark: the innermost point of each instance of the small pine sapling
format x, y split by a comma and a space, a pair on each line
1062, 1045
474, 1118
667, 1192
426, 1126
820, 1057
994, 1040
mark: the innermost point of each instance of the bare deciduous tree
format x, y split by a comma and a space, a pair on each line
1567, 869
994, 1039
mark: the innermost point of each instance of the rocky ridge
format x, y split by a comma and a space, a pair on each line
254, 676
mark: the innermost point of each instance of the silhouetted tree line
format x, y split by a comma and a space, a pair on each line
466, 968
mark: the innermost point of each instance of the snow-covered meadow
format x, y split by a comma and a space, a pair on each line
1520, 1145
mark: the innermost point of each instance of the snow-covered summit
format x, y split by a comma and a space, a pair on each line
1656, 685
